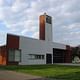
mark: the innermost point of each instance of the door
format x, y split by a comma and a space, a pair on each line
58, 56
48, 58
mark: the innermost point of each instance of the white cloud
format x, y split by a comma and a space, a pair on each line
19, 5
36, 35
1, 2
22, 17
1, 14
3, 38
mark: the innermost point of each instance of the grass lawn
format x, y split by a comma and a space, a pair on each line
51, 71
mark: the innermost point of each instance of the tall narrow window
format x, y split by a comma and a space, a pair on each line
14, 55
11, 55
17, 55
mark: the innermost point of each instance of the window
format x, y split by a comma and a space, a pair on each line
11, 55
14, 55
17, 55
31, 56
35, 56
42, 56
48, 19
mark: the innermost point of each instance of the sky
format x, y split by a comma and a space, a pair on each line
21, 17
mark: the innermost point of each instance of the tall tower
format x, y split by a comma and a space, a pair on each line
45, 30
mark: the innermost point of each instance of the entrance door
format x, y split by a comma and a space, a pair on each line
48, 58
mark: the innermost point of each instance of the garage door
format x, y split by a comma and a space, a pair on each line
58, 55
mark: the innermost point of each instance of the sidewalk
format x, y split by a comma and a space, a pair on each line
10, 75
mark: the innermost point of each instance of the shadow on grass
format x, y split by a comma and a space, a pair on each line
70, 76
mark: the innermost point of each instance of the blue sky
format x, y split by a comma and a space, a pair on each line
21, 17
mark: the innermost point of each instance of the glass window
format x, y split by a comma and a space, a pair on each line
42, 56
11, 55
35, 56
48, 19
17, 55
14, 55
31, 56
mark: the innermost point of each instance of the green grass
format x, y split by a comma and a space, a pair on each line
51, 71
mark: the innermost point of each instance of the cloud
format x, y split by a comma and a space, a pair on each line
2, 39
1, 2
22, 17
19, 5
36, 35
69, 35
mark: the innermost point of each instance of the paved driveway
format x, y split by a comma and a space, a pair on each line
10, 75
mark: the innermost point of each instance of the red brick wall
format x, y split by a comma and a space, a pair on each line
3, 55
68, 54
